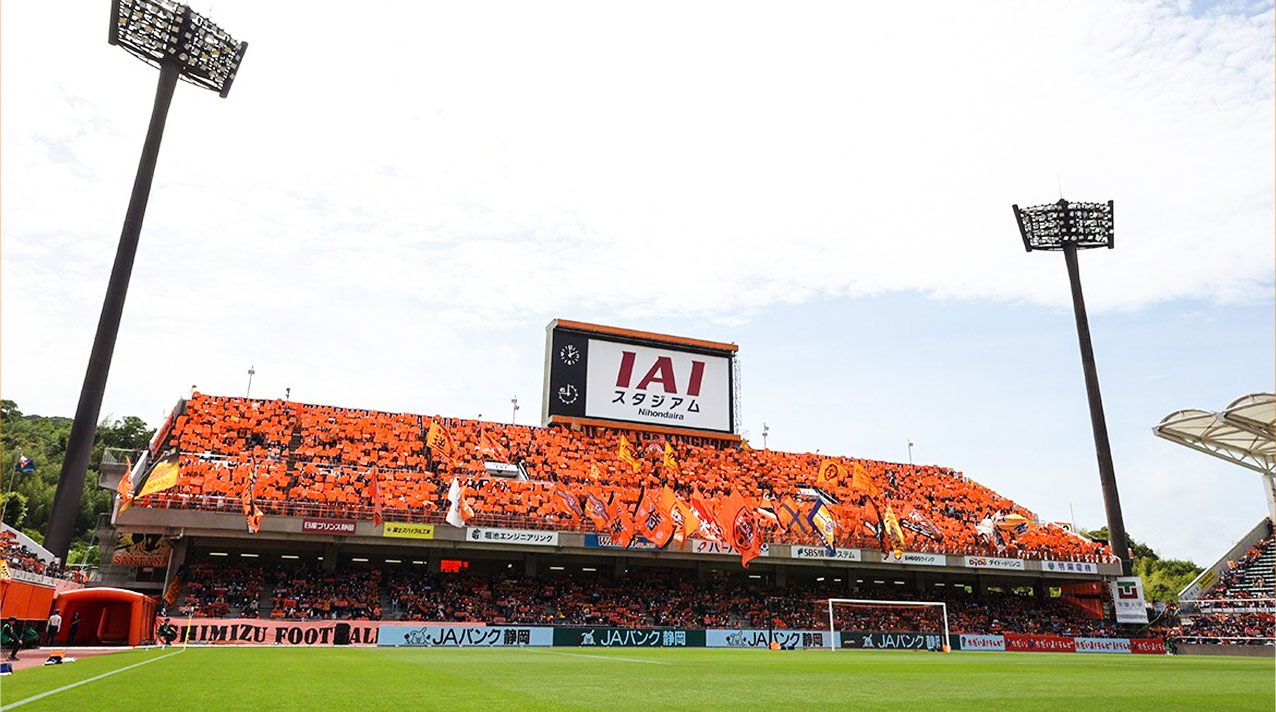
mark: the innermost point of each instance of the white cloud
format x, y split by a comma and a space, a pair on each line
393, 190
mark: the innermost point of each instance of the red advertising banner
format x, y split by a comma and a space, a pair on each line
256, 631
1147, 646
1041, 643
311, 525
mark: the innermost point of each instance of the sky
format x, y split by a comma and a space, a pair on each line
396, 198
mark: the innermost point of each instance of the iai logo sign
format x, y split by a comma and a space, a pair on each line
1127, 599
655, 385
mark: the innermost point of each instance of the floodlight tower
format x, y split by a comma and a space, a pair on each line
1069, 227
183, 45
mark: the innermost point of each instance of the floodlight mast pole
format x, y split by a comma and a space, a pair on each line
1102, 448
66, 500
180, 43
1067, 227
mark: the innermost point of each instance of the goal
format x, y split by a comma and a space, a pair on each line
873, 603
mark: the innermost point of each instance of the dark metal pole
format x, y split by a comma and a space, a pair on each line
66, 501
1107, 476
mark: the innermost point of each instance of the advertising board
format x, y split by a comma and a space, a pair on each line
629, 637
757, 638
967, 641
1102, 645
446, 636
1069, 567
892, 641
526, 537
1041, 643
140, 550
819, 552
257, 631
992, 562
314, 525
1127, 600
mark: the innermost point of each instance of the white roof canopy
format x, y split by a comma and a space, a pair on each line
1242, 433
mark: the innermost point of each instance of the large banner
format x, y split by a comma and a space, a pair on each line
892, 641
141, 550
600, 372
1127, 600
256, 631
445, 636
788, 639
629, 638
527, 537
1041, 643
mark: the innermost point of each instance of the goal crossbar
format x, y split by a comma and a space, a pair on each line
943, 608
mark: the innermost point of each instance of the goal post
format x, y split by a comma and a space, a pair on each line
833, 634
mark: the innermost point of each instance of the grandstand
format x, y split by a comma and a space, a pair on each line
1232, 602
322, 477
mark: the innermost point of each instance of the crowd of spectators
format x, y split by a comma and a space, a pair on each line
294, 458
299, 593
648, 597
219, 590
1239, 608
19, 556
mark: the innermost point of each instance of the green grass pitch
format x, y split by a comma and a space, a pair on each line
487, 680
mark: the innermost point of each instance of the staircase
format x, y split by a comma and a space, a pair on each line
1257, 580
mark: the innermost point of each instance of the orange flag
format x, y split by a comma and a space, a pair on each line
439, 442
621, 524
126, 485
596, 508
652, 521
861, 481
684, 518
829, 473
740, 528
708, 517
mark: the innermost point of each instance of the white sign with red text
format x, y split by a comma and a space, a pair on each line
657, 385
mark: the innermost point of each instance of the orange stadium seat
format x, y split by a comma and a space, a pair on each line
311, 458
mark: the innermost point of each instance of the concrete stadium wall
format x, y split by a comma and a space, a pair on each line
1242, 651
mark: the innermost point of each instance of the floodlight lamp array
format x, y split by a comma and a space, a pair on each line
164, 32
1049, 227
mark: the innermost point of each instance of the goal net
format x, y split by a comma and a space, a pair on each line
921, 625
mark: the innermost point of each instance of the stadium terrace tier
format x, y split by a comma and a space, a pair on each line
275, 458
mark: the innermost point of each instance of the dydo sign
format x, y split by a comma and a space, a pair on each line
637, 377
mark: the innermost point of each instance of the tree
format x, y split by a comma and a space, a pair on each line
44, 439
1162, 578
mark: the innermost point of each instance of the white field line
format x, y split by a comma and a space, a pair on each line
64, 688
608, 657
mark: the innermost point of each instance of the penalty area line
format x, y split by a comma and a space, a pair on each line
64, 688
607, 657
